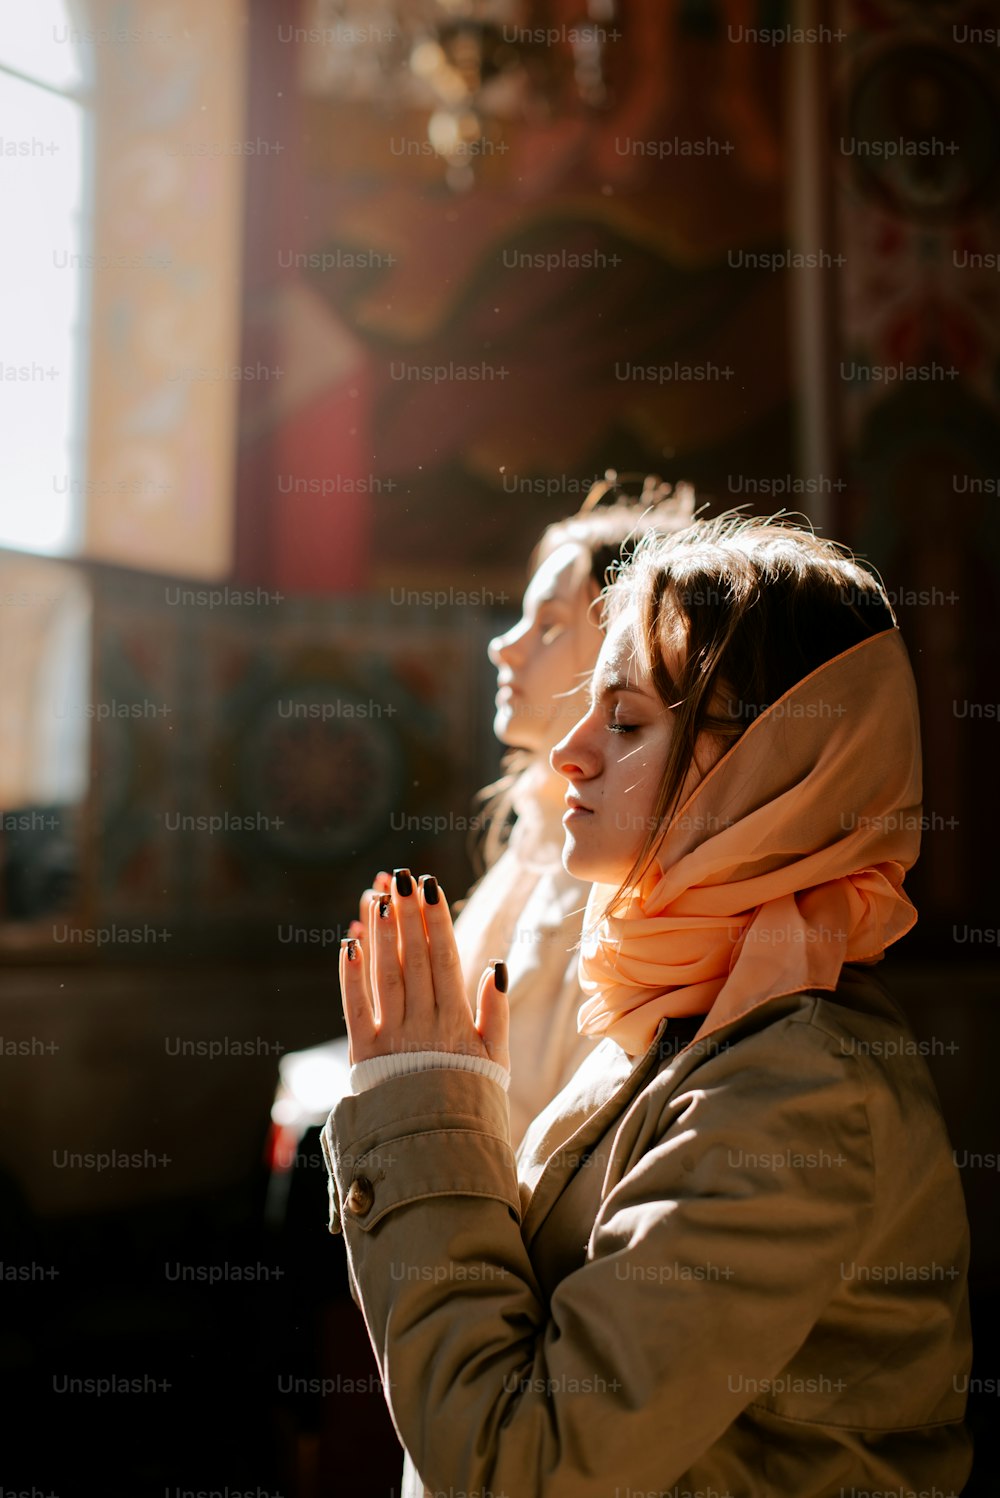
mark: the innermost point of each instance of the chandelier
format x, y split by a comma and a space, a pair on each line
470, 65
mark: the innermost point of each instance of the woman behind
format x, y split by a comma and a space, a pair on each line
527, 906
732, 1252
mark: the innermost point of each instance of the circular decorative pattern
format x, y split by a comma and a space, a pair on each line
921, 134
323, 767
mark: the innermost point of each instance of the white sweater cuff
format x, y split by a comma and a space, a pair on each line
368, 1074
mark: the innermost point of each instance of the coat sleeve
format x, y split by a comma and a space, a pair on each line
709, 1262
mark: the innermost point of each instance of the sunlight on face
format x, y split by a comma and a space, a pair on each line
613, 760
544, 661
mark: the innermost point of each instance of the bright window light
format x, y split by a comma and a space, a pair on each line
44, 286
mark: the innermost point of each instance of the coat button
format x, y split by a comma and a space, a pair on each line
360, 1196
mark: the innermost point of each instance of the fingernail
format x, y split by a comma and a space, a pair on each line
384, 906
351, 946
429, 885
404, 884
500, 975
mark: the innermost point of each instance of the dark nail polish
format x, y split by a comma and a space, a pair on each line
384, 906
429, 885
404, 884
500, 976
352, 948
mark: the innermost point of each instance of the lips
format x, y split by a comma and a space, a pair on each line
575, 807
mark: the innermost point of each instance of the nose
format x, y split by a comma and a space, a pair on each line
502, 647
575, 757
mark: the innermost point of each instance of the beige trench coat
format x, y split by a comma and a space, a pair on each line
734, 1269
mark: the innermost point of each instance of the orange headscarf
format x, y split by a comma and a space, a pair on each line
784, 863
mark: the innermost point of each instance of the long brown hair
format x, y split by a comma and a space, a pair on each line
608, 526
748, 607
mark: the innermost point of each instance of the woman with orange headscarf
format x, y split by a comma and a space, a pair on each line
730, 1256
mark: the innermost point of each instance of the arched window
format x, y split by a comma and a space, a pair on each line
45, 150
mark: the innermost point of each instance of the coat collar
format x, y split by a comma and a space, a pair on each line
561, 1137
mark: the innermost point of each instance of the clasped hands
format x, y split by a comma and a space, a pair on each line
401, 979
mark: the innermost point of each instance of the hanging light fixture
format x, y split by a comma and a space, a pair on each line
472, 64
475, 76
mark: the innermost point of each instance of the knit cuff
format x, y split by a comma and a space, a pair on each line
368, 1074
